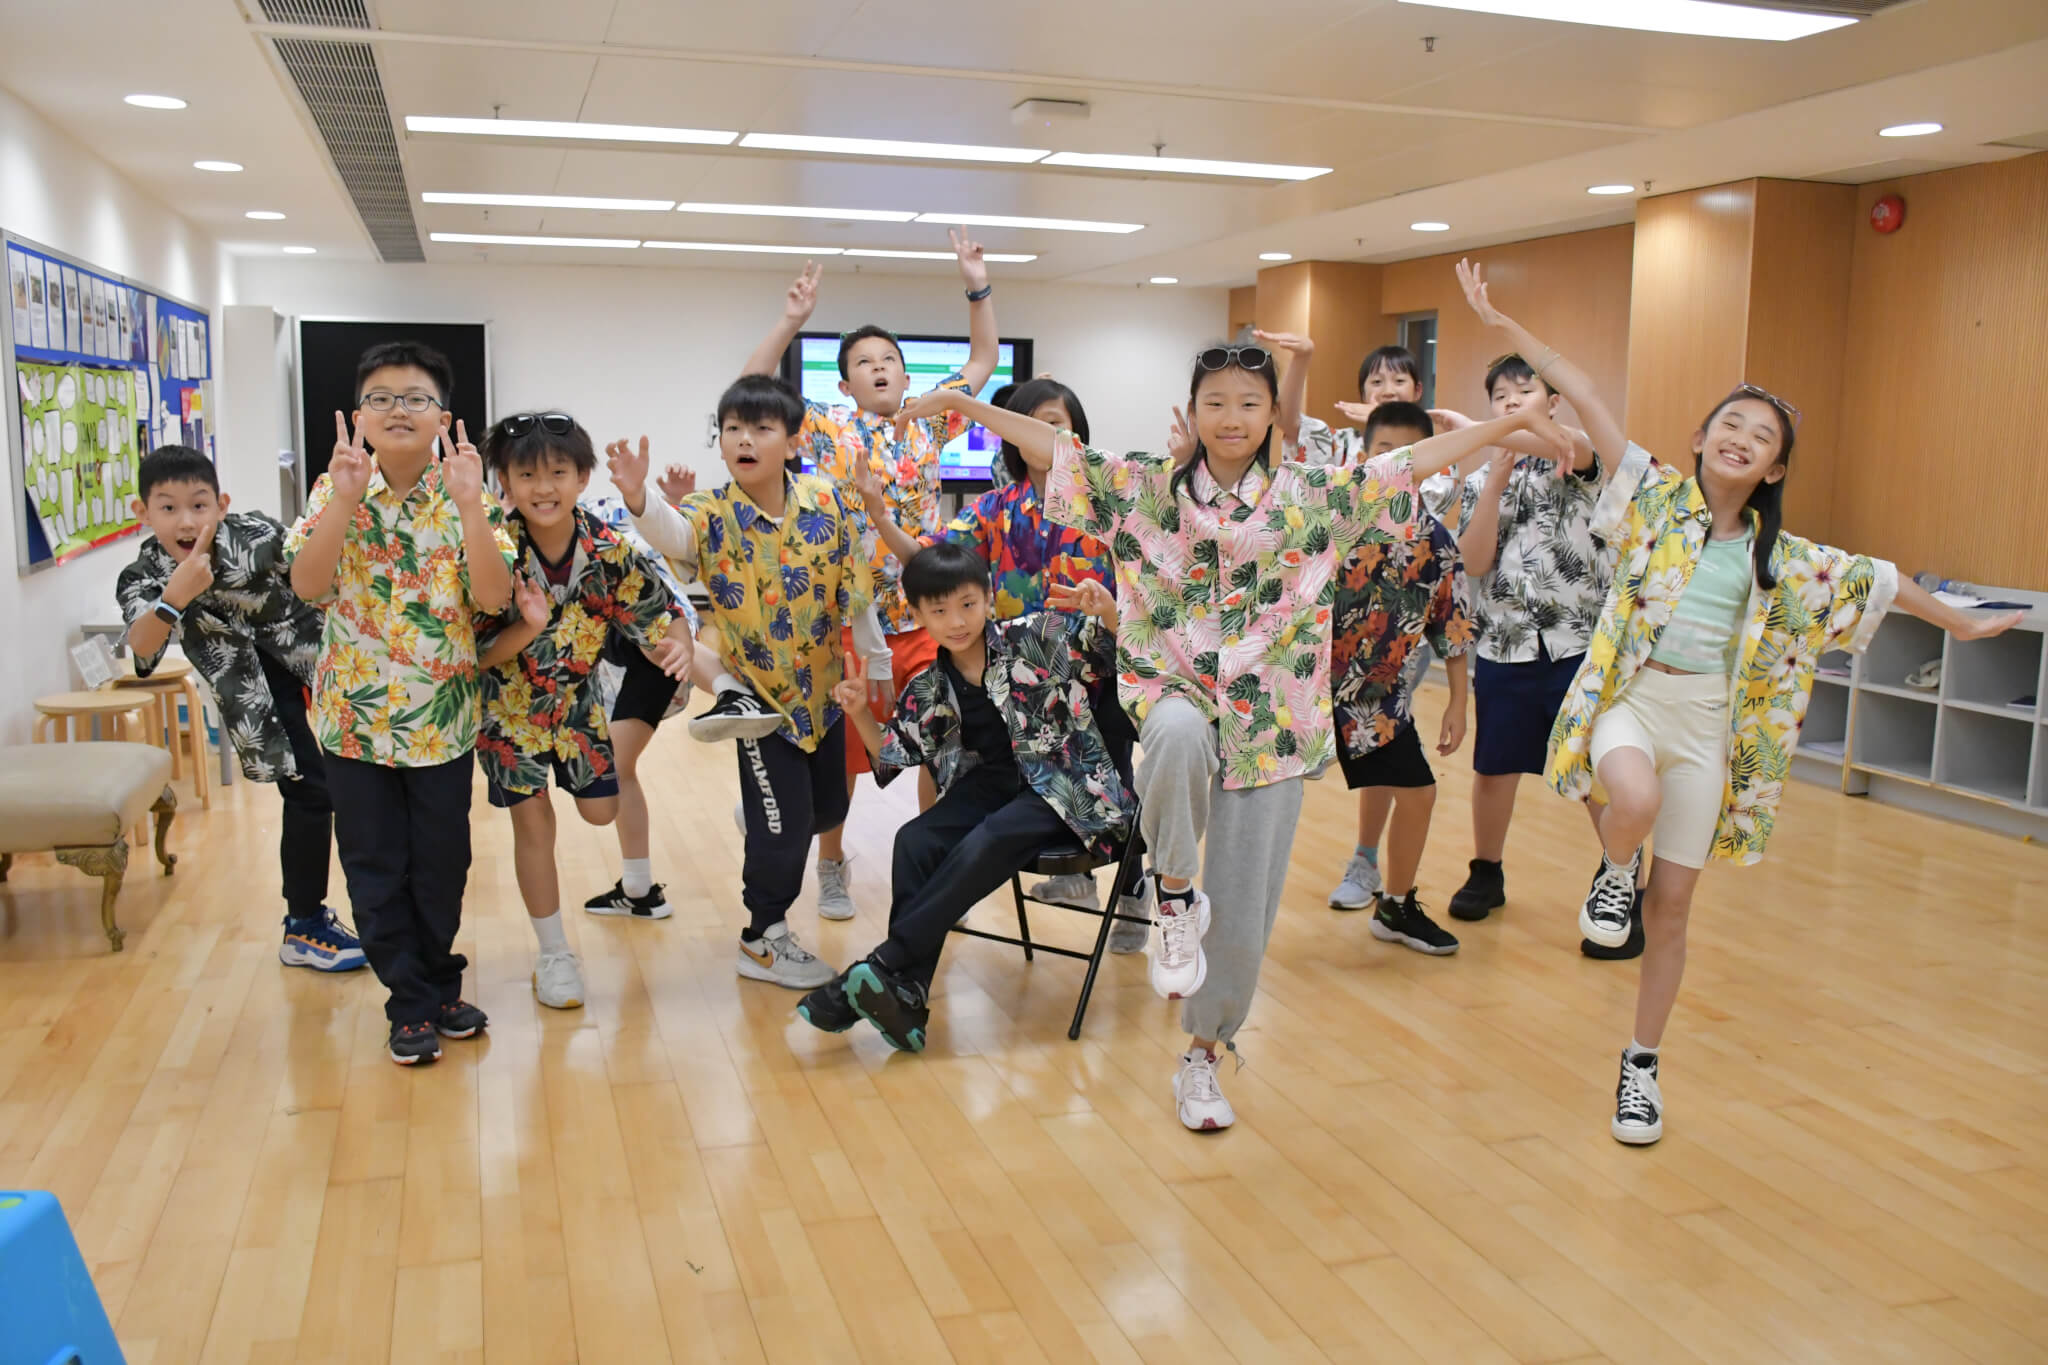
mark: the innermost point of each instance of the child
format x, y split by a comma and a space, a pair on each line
1223, 652
778, 553
216, 581
1390, 598
1688, 706
405, 552
1004, 722
845, 440
542, 709
1390, 374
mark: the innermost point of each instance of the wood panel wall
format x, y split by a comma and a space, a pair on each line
1338, 304
1244, 309
1688, 311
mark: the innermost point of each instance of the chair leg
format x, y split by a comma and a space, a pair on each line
196, 720
1023, 923
1109, 913
166, 809
109, 863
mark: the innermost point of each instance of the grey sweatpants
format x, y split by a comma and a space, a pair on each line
1242, 866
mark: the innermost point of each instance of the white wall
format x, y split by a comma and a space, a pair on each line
56, 192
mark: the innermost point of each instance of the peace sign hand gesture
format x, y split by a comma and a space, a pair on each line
802, 299
349, 466
462, 471
852, 691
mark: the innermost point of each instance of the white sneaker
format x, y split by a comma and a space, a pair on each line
834, 900
1076, 889
1604, 918
1638, 1101
1178, 966
777, 957
1361, 883
557, 982
1125, 937
1202, 1106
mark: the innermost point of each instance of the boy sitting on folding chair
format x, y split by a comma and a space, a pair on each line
1003, 721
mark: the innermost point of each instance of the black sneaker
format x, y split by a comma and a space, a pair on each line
894, 1004
653, 905
828, 1008
412, 1044
1606, 916
461, 1020
735, 715
1632, 948
1638, 1102
1485, 891
1404, 922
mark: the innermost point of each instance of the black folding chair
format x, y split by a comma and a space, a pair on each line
1068, 859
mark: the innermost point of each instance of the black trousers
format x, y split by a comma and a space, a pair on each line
987, 827
305, 848
403, 836
1119, 736
787, 796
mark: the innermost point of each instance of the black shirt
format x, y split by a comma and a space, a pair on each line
983, 730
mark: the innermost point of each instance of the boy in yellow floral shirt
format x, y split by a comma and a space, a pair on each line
403, 551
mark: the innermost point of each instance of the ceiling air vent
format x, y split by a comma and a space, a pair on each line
317, 13
342, 91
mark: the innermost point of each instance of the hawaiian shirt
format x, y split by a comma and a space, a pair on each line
1390, 597
843, 439
1225, 594
1026, 553
543, 706
397, 679
1040, 671
612, 512
1549, 573
249, 611
1321, 443
1825, 599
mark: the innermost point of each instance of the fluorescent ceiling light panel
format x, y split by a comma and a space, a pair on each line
265, 215
1048, 224
223, 167
993, 257
154, 101
1276, 255
589, 132
550, 201
1610, 189
300, 250
1697, 18
1184, 165
1429, 227
503, 239
1909, 130
801, 211
1165, 279
870, 146
763, 248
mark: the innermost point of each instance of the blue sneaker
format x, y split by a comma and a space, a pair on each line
322, 944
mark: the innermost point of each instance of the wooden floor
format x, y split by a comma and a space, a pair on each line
1856, 1167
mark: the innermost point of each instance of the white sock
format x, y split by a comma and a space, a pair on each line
549, 932
726, 682
636, 875
1636, 1049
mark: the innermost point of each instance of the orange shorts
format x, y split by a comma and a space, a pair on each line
910, 654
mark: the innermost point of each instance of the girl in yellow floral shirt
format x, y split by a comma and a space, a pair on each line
1688, 705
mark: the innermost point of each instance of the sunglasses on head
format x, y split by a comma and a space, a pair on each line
553, 423
1790, 413
1243, 357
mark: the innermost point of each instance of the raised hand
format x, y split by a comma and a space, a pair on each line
868, 484
533, 602
973, 268
1357, 412
930, 403
1447, 419
1453, 732
1973, 627
349, 466
1180, 439
1558, 441
195, 575
627, 467
1300, 347
1473, 281
462, 470
1087, 597
802, 298
677, 483
672, 654
852, 690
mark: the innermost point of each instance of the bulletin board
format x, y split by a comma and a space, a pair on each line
99, 369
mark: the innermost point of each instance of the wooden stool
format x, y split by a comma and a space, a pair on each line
171, 680
71, 715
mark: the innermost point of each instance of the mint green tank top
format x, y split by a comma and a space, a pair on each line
1706, 626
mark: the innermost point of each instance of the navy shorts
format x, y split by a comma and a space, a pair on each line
1514, 707
608, 785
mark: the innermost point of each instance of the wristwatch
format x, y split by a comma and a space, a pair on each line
167, 613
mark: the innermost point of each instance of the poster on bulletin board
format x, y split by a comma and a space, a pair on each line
101, 370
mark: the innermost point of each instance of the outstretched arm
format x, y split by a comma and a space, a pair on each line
1441, 452
1561, 374
797, 306
982, 347
1964, 625
1020, 429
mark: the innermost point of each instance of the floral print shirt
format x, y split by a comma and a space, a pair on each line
543, 706
1026, 553
1225, 594
844, 439
1390, 597
249, 611
1657, 521
397, 679
1039, 673
1321, 443
1549, 573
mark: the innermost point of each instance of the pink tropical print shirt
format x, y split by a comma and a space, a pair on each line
1225, 594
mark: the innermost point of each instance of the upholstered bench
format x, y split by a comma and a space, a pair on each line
80, 800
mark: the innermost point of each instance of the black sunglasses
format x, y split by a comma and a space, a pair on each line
1243, 357
553, 423
1784, 408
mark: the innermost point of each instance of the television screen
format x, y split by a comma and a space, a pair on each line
928, 359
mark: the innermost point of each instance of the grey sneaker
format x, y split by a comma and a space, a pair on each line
1125, 937
777, 957
1361, 883
834, 900
1076, 889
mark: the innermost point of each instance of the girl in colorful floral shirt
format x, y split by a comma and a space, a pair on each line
1688, 705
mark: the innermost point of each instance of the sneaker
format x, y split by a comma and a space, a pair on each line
735, 715
1638, 1102
461, 1020
322, 944
653, 905
1200, 1099
556, 981
1360, 885
777, 957
1484, 891
828, 1008
739, 816
1178, 966
1076, 889
1126, 937
412, 1044
834, 900
1631, 949
893, 1003
1604, 918
1404, 921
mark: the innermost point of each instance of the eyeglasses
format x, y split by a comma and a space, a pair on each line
553, 423
381, 401
1791, 413
1243, 357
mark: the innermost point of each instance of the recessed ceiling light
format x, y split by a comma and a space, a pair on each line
154, 101
501, 239
300, 250
1164, 279
1610, 189
224, 167
993, 257
1008, 220
802, 211
265, 215
1276, 255
1909, 130
551, 201
590, 132
871, 146
1184, 165
1699, 18
1429, 227
762, 248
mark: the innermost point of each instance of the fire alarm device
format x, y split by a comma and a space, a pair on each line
1888, 214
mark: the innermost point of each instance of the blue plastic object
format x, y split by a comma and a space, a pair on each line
50, 1314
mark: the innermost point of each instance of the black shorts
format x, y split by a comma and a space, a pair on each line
1514, 707
1399, 762
607, 785
645, 693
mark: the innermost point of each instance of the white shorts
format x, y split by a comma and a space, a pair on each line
1681, 721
